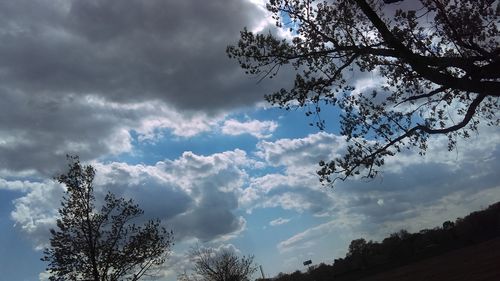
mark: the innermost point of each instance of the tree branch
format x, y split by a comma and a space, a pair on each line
481, 87
368, 159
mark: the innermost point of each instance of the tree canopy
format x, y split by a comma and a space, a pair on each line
105, 244
438, 62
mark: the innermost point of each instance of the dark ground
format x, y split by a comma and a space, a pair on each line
480, 262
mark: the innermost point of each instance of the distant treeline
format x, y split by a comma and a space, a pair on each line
365, 258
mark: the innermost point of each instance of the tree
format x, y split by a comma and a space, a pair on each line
104, 244
439, 64
223, 265
357, 247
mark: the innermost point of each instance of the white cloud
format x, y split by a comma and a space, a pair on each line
409, 192
290, 192
20, 185
44, 276
298, 187
35, 213
266, 21
256, 128
279, 221
149, 117
477, 150
301, 152
196, 196
309, 237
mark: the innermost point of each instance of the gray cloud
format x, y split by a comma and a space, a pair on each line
212, 218
172, 51
37, 131
79, 76
194, 195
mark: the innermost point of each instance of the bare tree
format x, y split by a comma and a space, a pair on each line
105, 244
222, 265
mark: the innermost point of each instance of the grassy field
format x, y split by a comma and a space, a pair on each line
479, 262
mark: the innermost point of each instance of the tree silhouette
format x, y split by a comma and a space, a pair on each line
438, 64
223, 265
105, 244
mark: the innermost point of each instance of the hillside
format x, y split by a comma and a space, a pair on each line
480, 262
467, 249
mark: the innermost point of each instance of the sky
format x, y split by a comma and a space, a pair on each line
144, 92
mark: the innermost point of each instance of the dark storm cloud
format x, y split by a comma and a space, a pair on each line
173, 51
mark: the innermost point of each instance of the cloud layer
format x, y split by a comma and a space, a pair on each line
127, 51
81, 76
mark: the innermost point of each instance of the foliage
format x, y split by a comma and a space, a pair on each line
105, 244
223, 265
438, 63
357, 247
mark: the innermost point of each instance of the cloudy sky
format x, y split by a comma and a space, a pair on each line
144, 92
